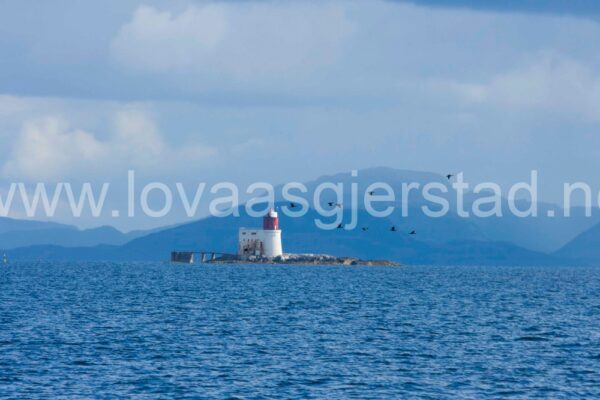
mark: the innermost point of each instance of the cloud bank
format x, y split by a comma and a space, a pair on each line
244, 41
48, 149
274, 90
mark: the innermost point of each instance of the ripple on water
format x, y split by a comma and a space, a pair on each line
157, 330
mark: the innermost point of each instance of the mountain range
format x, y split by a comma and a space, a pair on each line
548, 239
16, 233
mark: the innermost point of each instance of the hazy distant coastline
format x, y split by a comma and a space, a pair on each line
450, 240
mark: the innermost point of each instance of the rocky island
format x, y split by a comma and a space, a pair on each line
264, 246
313, 259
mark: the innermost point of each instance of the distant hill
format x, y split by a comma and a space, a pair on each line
63, 237
13, 225
584, 249
301, 235
16, 233
544, 233
450, 239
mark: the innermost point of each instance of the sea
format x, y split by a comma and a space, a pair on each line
158, 330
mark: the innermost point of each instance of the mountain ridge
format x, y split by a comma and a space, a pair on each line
438, 239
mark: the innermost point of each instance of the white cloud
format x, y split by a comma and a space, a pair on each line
242, 41
48, 149
551, 82
163, 41
138, 137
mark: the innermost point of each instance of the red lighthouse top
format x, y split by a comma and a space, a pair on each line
271, 221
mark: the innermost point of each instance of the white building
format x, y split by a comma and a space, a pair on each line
264, 242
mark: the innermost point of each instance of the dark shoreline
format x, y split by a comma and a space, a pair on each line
344, 261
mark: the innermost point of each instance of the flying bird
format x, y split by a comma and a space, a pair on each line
413, 232
331, 204
340, 226
364, 228
449, 176
371, 193
292, 205
393, 229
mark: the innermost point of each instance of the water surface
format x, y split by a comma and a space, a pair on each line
246, 331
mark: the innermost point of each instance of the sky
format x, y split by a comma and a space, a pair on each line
276, 91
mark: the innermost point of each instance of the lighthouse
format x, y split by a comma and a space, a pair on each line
272, 235
265, 242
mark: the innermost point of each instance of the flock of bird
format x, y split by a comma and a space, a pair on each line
366, 228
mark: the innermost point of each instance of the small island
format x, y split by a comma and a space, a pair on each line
314, 259
264, 246
189, 257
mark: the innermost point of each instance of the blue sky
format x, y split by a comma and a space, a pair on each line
277, 91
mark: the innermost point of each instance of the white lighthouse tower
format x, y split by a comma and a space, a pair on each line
272, 235
265, 242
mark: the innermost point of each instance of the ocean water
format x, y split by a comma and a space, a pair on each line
245, 331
